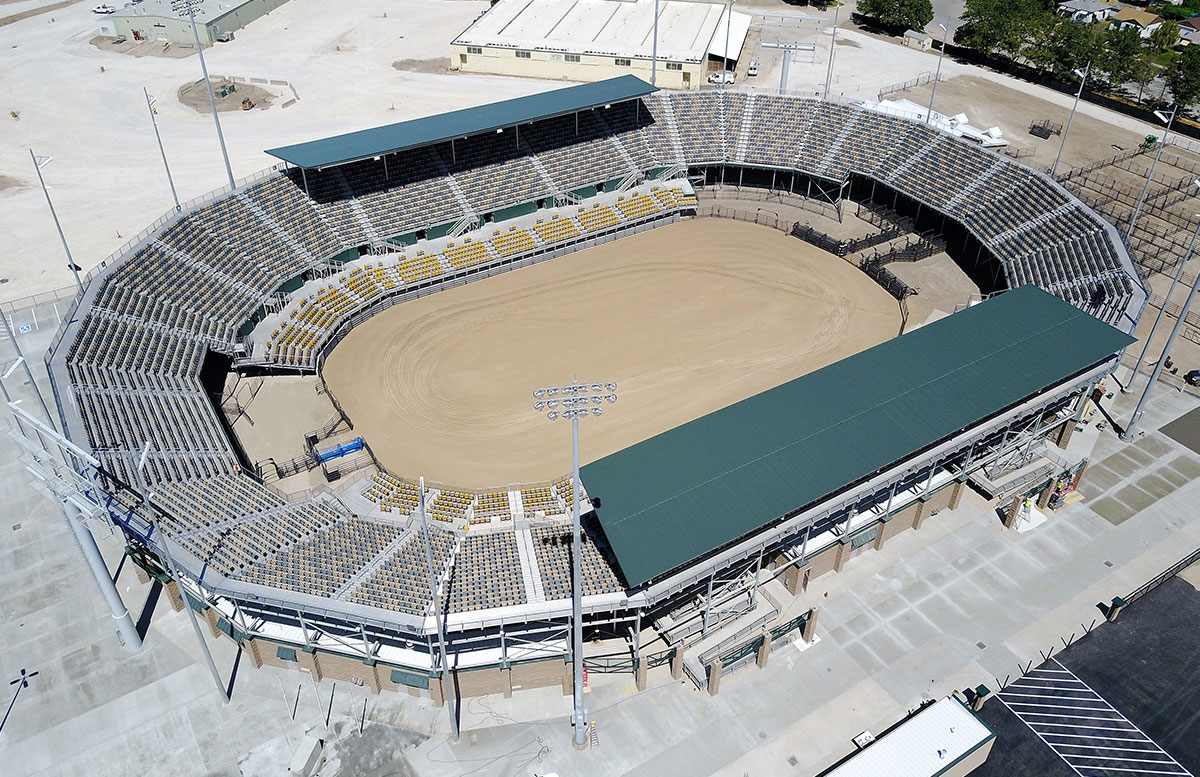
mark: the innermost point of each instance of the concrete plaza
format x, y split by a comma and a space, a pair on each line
957, 603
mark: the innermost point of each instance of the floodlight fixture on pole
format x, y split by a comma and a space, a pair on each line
1150, 176
937, 75
1083, 76
38, 163
1140, 410
21, 360
190, 8
436, 602
154, 121
575, 403
837, 7
1158, 319
147, 499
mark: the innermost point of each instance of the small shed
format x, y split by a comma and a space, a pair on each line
918, 40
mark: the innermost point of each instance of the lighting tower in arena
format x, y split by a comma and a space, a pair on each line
575, 401
190, 8
434, 588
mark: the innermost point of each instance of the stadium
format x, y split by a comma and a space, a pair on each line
683, 523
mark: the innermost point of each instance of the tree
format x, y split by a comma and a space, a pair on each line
1001, 26
1165, 37
898, 14
1184, 76
1143, 74
1122, 48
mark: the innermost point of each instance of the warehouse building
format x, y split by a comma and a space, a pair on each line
215, 20
592, 40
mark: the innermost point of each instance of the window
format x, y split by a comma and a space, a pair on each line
286, 653
623, 62
571, 57
474, 50
522, 55
674, 66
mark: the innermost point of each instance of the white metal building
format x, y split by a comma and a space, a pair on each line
154, 20
591, 40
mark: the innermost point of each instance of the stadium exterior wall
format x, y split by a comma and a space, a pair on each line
496, 60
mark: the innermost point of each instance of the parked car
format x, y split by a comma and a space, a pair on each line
752, 70
1193, 378
104, 9
721, 77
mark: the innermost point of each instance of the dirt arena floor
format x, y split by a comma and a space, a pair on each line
687, 318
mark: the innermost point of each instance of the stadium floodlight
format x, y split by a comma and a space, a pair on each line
1083, 76
1178, 274
154, 120
938, 74
436, 601
832, 45
38, 163
21, 360
1127, 435
1150, 175
576, 406
190, 8
148, 498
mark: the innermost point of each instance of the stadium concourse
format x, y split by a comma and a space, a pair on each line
270, 276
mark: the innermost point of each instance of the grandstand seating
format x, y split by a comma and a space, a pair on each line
465, 254
512, 241
597, 218
401, 583
556, 229
450, 505
552, 545
486, 574
134, 359
391, 493
540, 500
322, 563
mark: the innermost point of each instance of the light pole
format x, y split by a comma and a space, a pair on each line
191, 8
1178, 274
28, 373
38, 163
575, 405
20, 682
1140, 410
1150, 176
837, 7
1082, 80
153, 120
434, 590
654, 49
148, 498
937, 75
725, 59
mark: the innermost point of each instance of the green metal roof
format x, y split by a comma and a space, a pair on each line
684, 493
373, 142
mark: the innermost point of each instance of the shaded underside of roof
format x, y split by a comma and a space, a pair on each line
443, 127
698, 487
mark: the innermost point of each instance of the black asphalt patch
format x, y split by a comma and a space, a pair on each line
1120, 702
1185, 430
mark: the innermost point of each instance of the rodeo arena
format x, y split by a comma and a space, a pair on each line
359, 562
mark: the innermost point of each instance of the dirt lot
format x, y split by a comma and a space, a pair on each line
989, 104
686, 319
193, 95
